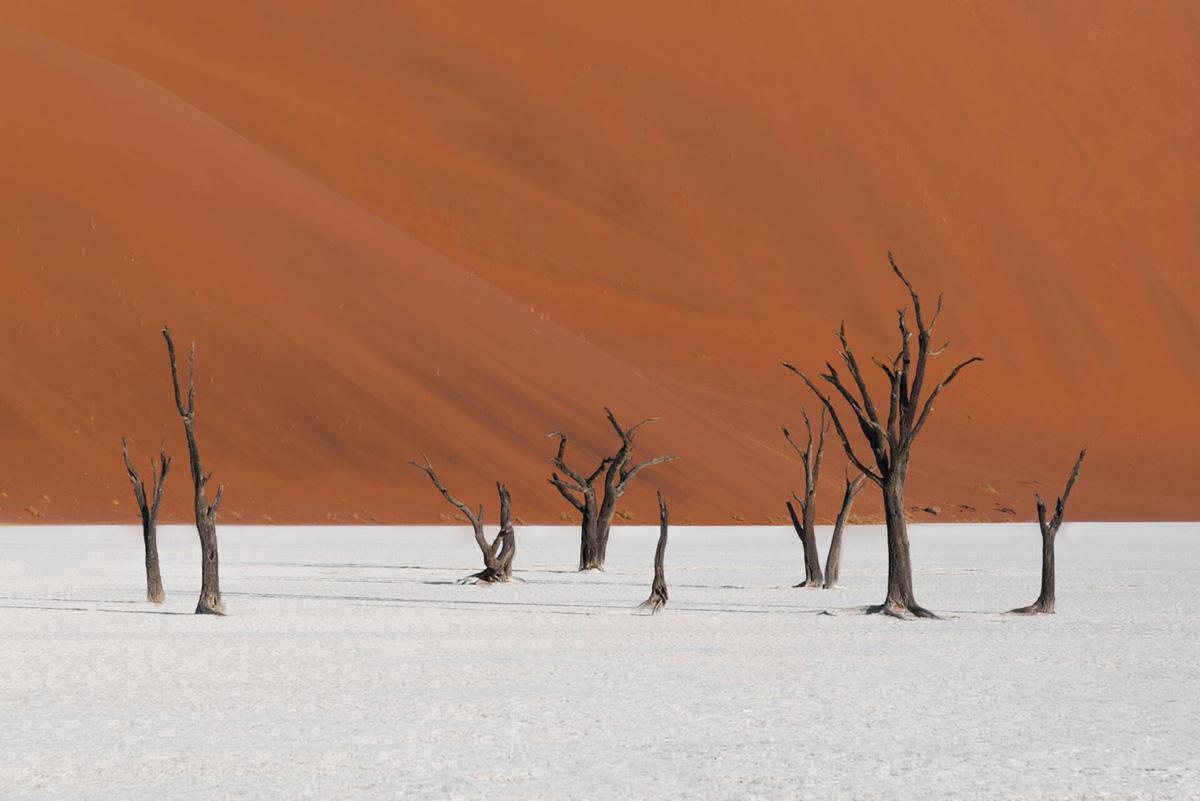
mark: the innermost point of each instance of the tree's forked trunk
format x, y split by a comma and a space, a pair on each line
579, 489
1044, 605
149, 512
497, 557
154, 585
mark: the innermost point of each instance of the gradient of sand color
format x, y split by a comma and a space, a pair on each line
676, 196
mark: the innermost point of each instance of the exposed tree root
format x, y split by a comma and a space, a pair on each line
1033, 609
901, 611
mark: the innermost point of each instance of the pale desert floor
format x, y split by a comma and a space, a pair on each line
352, 665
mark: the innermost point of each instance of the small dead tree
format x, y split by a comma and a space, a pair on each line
497, 555
580, 491
658, 589
811, 455
1044, 605
597, 509
833, 561
890, 437
149, 510
620, 472
206, 514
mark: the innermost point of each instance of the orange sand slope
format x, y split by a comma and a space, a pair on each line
457, 226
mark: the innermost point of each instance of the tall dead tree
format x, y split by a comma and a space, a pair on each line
1045, 603
149, 510
498, 554
833, 561
206, 514
597, 509
811, 455
890, 437
658, 588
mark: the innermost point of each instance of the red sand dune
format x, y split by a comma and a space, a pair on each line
456, 226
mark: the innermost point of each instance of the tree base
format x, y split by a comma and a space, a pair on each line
655, 602
485, 577
813, 585
210, 609
901, 611
1038, 608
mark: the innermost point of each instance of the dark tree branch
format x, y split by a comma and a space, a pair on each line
837, 425
139, 489
564, 490
937, 390
476, 520
627, 474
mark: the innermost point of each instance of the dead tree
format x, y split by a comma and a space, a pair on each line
149, 510
580, 491
206, 514
597, 509
833, 561
890, 437
497, 555
811, 455
620, 472
658, 589
1044, 605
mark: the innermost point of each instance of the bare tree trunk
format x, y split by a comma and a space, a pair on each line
808, 536
812, 560
604, 518
833, 561
900, 597
206, 514
210, 602
658, 589
589, 535
149, 512
154, 586
1044, 605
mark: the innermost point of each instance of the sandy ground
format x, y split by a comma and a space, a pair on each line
352, 666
